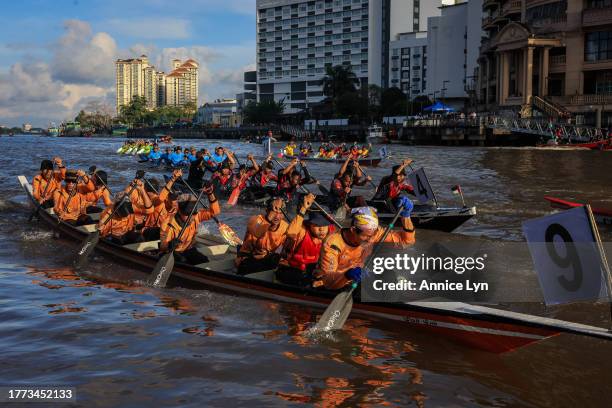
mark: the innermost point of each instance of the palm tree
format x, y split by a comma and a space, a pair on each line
339, 80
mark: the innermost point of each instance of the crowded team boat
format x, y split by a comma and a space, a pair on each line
306, 257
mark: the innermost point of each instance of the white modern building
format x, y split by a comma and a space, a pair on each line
408, 63
388, 20
453, 41
221, 112
296, 39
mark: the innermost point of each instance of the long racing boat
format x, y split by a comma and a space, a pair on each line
481, 327
366, 162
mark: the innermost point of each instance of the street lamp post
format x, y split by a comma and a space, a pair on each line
443, 90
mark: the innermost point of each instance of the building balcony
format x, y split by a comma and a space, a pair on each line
584, 100
557, 63
487, 23
549, 25
490, 4
511, 7
597, 16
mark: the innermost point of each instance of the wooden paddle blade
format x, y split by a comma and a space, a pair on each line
162, 271
87, 247
336, 313
340, 213
233, 198
229, 235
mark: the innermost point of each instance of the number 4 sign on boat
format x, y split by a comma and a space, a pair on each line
568, 256
422, 188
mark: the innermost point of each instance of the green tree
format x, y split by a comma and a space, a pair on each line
352, 105
338, 80
263, 112
134, 111
374, 102
393, 102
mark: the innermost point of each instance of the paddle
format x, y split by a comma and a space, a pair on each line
92, 171
228, 234
338, 310
70, 197
233, 198
163, 269
90, 242
365, 174
307, 191
322, 189
39, 205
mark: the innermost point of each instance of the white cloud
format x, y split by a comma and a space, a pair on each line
83, 58
151, 28
81, 69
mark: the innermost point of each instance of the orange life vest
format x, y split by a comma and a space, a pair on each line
116, 227
76, 205
40, 191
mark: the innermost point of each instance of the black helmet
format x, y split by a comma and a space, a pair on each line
46, 165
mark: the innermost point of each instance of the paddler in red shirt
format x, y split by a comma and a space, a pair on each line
391, 186
303, 245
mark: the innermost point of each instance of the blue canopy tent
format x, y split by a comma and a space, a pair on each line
439, 107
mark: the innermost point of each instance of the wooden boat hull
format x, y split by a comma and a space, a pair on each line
485, 328
597, 145
423, 217
602, 215
373, 162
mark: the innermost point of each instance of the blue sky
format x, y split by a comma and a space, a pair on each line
57, 57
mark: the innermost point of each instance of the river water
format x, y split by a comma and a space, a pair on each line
121, 344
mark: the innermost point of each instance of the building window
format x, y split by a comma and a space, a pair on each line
550, 11
598, 4
598, 46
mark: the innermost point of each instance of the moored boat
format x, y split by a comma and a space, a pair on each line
602, 215
604, 144
481, 327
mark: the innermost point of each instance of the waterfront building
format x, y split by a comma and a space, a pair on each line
161, 88
549, 56
130, 80
136, 77
249, 91
408, 64
221, 112
296, 39
453, 42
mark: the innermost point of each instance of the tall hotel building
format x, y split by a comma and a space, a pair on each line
296, 39
136, 77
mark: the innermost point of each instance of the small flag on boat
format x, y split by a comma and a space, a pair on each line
382, 152
457, 190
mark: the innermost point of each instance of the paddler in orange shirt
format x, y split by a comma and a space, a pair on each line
185, 250
69, 204
153, 222
265, 234
344, 252
121, 228
48, 181
303, 245
98, 191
